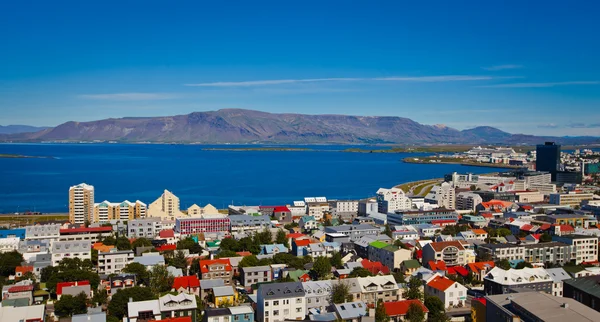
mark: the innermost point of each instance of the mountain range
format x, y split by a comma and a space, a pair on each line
248, 126
14, 129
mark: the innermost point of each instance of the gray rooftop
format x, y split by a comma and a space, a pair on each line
337, 229
281, 290
256, 269
90, 317
223, 291
207, 284
546, 307
351, 310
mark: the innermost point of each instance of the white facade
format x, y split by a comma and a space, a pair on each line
114, 261
281, 301
45, 232
346, 206
442, 195
70, 249
452, 295
9, 244
147, 228
391, 200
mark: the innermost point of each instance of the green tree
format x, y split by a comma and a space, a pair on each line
9, 262
229, 244
249, 261
399, 277
109, 241
281, 238
522, 265
290, 225
503, 263
195, 266
545, 238
340, 292
47, 272
140, 271
94, 257
437, 311
321, 268
71, 270
503, 232
141, 242
179, 260
415, 313
249, 245
380, 313
100, 297
264, 237
227, 253
388, 230
118, 303
190, 244
360, 272
122, 243
69, 305
469, 278
413, 290
289, 259
327, 222
160, 280
336, 260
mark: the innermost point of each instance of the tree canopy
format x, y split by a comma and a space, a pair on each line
321, 268
139, 270
413, 291
70, 270
9, 262
380, 313
118, 303
415, 313
69, 305
360, 272
503, 263
160, 280
340, 292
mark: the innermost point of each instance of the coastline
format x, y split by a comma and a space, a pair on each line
468, 164
19, 156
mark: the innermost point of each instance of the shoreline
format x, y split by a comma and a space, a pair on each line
467, 164
20, 156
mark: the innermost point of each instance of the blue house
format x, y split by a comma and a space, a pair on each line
300, 247
242, 313
16, 232
273, 249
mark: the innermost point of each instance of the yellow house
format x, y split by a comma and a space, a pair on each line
478, 310
225, 296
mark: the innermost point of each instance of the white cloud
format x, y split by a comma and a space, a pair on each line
539, 85
444, 78
502, 67
129, 96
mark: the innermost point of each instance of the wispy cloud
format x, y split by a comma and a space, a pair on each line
130, 96
443, 78
584, 126
539, 85
548, 126
501, 67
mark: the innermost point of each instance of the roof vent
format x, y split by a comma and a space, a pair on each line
565, 305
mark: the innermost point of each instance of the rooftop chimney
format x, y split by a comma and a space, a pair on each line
565, 305
131, 299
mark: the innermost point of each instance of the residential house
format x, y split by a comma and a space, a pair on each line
254, 275
146, 227
355, 232
480, 269
273, 249
453, 253
442, 195
316, 250
397, 310
19, 290
249, 224
280, 301
375, 288
351, 311
318, 295
168, 306
558, 275
121, 281
300, 247
206, 287
224, 296
187, 284
409, 266
42, 232
242, 313
499, 281
388, 255
217, 315
21, 270
73, 289
474, 221
451, 293
33, 313
282, 214
150, 260
307, 223
216, 269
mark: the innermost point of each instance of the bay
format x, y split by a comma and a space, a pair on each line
219, 177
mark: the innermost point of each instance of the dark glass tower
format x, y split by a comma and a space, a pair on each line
548, 158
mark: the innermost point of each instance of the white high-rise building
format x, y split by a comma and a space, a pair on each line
390, 200
442, 195
81, 203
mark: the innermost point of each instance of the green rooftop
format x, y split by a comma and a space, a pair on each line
411, 263
295, 275
378, 244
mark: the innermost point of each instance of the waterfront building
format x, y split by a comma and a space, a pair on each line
197, 211
165, 207
435, 216
215, 223
106, 211
442, 195
81, 203
392, 200
548, 158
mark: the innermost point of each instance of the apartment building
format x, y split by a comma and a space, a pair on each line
197, 211
89, 234
570, 199
256, 274
529, 196
165, 207
355, 232
317, 209
70, 249
214, 223
280, 302
114, 261
442, 195
584, 290
392, 200
423, 217
375, 288
42, 232
346, 206
318, 295
553, 252
249, 224
81, 203
165, 307
583, 248
499, 281
107, 211
467, 201
146, 228
453, 253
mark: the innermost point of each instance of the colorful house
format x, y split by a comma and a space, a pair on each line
397, 310
187, 284
225, 296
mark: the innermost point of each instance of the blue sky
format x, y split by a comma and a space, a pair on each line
522, 66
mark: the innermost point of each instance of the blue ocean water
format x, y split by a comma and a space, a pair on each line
142, 171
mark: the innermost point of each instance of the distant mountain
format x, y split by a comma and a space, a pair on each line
14, 129
247, 126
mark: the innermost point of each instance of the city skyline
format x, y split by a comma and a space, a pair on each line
522, 68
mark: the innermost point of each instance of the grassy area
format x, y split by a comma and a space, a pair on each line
427, 186
426, 191
27, 219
